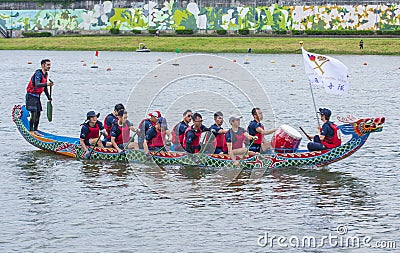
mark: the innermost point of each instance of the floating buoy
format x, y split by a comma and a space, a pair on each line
272, 61
365, 63
234, 60
210, 66
29, 62
82, 60
84, 64
158, 59
291, 80
108, 68
292, 65
247, 61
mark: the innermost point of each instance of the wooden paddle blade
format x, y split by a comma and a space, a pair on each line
49, 111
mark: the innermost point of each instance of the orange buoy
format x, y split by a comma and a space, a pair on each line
365, 63
292, 65
108, 68
234, 60
29, 62
210, 66
159, 59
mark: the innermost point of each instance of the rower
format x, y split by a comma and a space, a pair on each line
235, 138
146, 124
90, 131
154, 137
191, 138
111, 118
120, 132
256, 128
179, 130
219, 133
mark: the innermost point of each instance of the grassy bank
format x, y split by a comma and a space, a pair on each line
378, 46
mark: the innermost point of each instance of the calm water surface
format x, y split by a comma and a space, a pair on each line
52, 203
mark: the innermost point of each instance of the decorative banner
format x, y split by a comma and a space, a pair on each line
327, 71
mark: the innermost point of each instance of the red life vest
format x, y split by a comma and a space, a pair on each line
260, 137
33, 89
196, 141
93, 131
237, 138
108, 128
220, 142
124, 134
156, 141
142, 128
176, 137
334, 141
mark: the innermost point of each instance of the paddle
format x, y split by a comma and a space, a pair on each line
50, 106
125, 147
304, 132
247, 150
95, 144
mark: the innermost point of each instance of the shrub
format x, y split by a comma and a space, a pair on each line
152, 31
221, 32
114, 30
280, 32
136, 31
184, 31
244, 31
36, 34
297, 32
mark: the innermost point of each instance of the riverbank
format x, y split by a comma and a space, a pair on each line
264, 45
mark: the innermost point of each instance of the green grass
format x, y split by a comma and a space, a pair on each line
290, 45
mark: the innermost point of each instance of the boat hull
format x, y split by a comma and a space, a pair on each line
70, 147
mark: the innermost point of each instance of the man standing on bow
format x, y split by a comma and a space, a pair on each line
37, 84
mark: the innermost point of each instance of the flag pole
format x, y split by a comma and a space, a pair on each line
315, 107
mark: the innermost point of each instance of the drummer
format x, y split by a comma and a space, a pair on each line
235, 139
255, 128
327, 136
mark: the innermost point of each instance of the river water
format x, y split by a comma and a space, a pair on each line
52, 203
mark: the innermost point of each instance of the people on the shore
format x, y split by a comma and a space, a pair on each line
154, 140
120, 133
361, 44
219, 133
235, 138
91, 131
328, 135
191, 139
37, 84
178, 131
256, 128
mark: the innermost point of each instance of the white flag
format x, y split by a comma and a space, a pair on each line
327, 71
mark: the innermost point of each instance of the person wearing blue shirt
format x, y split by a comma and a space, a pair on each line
325, 132
219, 133
178, 131
37, 84
256, 128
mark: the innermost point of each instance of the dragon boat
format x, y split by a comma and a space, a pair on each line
358, 129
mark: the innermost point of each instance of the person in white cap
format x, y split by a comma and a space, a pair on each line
235, 138
146, 124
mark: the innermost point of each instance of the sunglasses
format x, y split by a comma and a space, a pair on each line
189, 116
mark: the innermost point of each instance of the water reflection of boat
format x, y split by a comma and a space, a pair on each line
359, 130
142, 48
